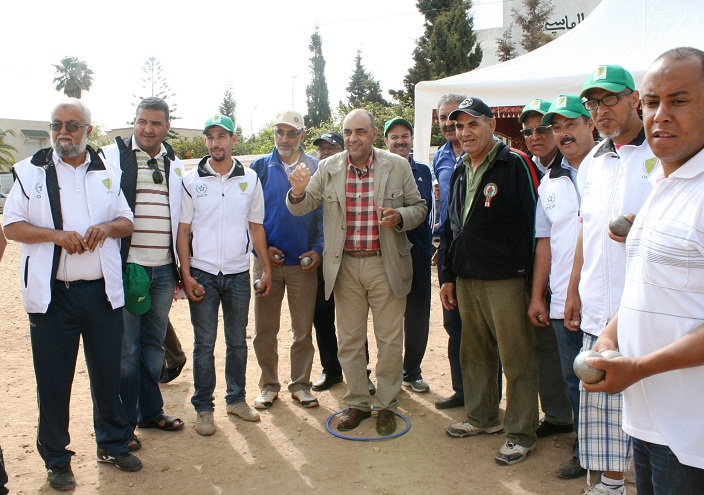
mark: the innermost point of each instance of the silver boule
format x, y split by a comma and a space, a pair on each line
257, 284
620, 226
306, 261
277, 256
610, 354
585, 372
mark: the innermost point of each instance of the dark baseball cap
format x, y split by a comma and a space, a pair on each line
330, 137
474, 107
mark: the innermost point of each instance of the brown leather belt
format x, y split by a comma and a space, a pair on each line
366, 253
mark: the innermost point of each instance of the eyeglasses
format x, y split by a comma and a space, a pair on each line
289, 134
593, 103
70, 127
157, 176
541, 129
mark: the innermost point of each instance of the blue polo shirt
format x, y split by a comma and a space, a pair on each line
444, 163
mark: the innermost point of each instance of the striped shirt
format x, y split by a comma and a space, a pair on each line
151, 240
362, 221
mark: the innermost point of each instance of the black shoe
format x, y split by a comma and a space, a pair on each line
170, 374
326, 381
61, 477
124, 462
571, 469
449, 402
546, 428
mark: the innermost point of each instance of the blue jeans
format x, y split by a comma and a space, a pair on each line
143, 351
569, 344
232, 291
80, 311
659, 472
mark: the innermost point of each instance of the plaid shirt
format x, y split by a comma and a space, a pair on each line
362, 221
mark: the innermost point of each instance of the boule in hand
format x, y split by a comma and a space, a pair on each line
199, 291
277, 256
610, 354
585, 372
257, 286
306, 261
620, 226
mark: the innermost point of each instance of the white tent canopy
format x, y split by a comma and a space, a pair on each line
630, 33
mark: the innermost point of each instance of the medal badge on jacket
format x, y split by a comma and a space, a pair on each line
490, 191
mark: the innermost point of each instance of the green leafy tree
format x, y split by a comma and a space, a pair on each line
154, 83
229, 105
98, 137
73, 76
7, 157
363, 88
531, 21
187, 148
505, 46
448, 46
317, 95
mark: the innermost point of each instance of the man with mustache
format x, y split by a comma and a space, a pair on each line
556, 231
398, 137
612, 180
488, 241
67, 210
151, 181
221, 220
295, 252
557, 413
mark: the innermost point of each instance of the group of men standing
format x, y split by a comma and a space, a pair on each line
529, 272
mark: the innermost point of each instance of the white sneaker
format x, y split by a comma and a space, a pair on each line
205, 424
265, 399
418, 386
244, 412
305, 398
512, 453
600, 489
464, 429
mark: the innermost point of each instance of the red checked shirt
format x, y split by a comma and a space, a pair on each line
362, 221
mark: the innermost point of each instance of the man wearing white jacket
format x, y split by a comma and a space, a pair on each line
67, 210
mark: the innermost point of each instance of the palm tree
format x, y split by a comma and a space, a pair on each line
7, 159
73, 76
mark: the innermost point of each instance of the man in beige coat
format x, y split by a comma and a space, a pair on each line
369, 200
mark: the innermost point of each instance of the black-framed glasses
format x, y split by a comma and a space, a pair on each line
289, 134
70, 127
157, 176
541, 129
593, 103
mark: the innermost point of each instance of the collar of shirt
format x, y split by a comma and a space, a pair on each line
467, 160
58, 160
210, 169
136, 147
367, 166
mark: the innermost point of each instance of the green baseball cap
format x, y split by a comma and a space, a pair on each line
569, 106
136, 284
537, 105
220, 120
397, 120
612, 78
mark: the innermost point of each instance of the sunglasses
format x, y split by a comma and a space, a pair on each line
289, 134
71, 127
541, 129
157, 176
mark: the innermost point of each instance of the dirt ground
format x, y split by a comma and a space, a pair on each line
288, 452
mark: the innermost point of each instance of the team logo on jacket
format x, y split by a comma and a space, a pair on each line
550, 201
38, 188
107, 183
201, 190
179, 172
244, 186
649, 165
490, 191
